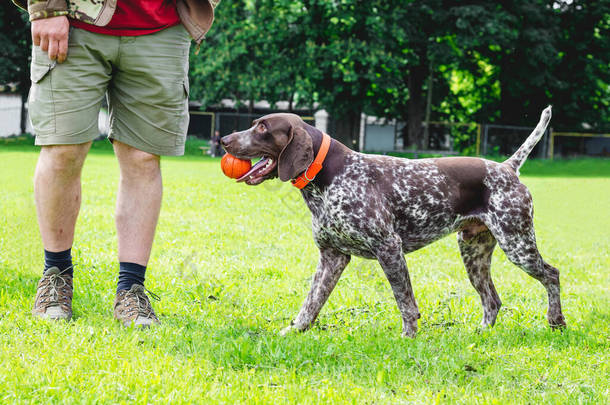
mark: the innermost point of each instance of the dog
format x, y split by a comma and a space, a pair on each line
382, 207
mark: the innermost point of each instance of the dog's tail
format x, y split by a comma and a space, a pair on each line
517, 160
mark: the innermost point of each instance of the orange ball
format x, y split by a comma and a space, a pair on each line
233, 167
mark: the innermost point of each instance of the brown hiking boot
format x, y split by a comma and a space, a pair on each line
133, 307
54, 295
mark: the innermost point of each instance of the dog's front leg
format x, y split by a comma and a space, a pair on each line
392, 261
330, 266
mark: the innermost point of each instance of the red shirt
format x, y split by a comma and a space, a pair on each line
136, 17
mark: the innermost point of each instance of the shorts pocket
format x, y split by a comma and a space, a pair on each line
183, 120
40, 100
39, 72
187, 89
41, 64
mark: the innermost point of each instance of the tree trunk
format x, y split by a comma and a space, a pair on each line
290, 101
347, 129
236, 120
426, 138
417, 76
507, 102
23, 120
512, 94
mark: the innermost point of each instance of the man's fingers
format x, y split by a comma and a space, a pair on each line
35, 38
51, 34
53, 48
44, 43
63, 50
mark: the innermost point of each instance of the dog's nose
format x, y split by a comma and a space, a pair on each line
225, 140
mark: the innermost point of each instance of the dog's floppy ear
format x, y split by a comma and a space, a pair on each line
296, 156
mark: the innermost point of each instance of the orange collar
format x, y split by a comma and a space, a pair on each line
315, 167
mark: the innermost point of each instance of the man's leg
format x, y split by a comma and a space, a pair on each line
137, 212
138, 202
57, 192
148, 105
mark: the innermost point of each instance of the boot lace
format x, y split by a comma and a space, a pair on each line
137, 300
54, 284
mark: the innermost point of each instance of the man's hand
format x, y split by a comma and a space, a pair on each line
51, 34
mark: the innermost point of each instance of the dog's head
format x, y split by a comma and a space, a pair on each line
282, 143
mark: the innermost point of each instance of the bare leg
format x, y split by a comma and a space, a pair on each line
392, 260
57, 191
330, 267
476, 254
138, 202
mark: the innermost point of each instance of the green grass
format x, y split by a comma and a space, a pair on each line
233, 264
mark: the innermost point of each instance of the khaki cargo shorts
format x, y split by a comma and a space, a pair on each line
145, 80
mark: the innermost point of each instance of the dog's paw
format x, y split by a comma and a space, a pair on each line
292, 329
409, 328
557, 323
556, 319
287, 330
411, 334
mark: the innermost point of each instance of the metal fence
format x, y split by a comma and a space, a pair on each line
440, 138
203, 124
504, 140
452, 138
567, 144
443, 138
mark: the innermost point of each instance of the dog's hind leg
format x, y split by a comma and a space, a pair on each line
516, 237
392, 261
330, 267
476, 253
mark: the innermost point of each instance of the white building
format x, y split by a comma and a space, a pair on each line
10, 115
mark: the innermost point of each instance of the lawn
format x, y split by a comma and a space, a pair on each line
232, 265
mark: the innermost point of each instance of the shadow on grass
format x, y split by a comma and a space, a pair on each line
442, 356
20, 290
450, 351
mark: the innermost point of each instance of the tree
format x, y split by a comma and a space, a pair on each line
15, 41
344, 43
434, 67
307, 52
254, 52
403, 84
405, 59
526, 63
541, 52
581, 86
489, 61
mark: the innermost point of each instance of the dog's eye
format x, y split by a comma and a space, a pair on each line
261, 128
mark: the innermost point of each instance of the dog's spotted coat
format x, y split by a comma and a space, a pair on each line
381, 207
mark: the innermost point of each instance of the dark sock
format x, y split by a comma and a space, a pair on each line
61, 260
130, 274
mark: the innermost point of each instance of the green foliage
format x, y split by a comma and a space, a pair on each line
233, 263
305, 52
582, 77
254, 51
481, 61
475, 61
540, 52
15, 42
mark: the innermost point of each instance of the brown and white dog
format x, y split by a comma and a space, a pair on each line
381, 207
